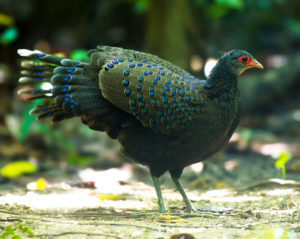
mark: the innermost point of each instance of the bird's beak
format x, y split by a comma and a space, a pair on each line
254, 63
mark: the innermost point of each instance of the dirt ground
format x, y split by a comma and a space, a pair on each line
261, 209
238, 193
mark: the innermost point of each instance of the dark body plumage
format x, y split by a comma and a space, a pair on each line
163, 116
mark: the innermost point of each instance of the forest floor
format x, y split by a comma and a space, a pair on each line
259, 209
238, 193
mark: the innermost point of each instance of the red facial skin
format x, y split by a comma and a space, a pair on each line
248, 62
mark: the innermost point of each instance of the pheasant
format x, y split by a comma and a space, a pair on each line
162, 116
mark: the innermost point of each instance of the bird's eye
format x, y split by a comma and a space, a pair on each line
244, 59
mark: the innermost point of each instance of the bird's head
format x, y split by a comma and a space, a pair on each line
239, 60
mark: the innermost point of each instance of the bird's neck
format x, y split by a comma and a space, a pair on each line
222, 80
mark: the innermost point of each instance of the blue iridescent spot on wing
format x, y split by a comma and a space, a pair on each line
125, 82
145, 111
72, 70
139, 64
164, 119
115, 62
138, 87
127, 92
132, 102
40, 55
140, 96
110, 65
120, 60
130, 60
141, 79
126, 73
132, 65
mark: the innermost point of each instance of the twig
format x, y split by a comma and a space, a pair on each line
78, 233
10, 220
272, 181
123, 225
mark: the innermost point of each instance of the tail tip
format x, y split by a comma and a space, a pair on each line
26, 52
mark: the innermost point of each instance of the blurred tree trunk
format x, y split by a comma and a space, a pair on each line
165, 30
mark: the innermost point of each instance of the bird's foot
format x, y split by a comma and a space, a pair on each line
190, 207
162, 208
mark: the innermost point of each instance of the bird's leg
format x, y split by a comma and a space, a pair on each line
186, 200
161, 204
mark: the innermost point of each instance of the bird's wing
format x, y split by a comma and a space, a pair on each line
158, 97
100, 55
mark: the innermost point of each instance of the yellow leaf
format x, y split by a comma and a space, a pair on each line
16, 169
283, 158
111, 197
167, 218
6, 20
40, 184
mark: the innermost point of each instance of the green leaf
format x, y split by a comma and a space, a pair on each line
283, 158
27, 120
141, 6
236, 4
293, 26
79, 55
9, 35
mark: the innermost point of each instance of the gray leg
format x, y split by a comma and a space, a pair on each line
189, 205
161, 204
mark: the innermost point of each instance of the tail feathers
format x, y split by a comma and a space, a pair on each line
70, 88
